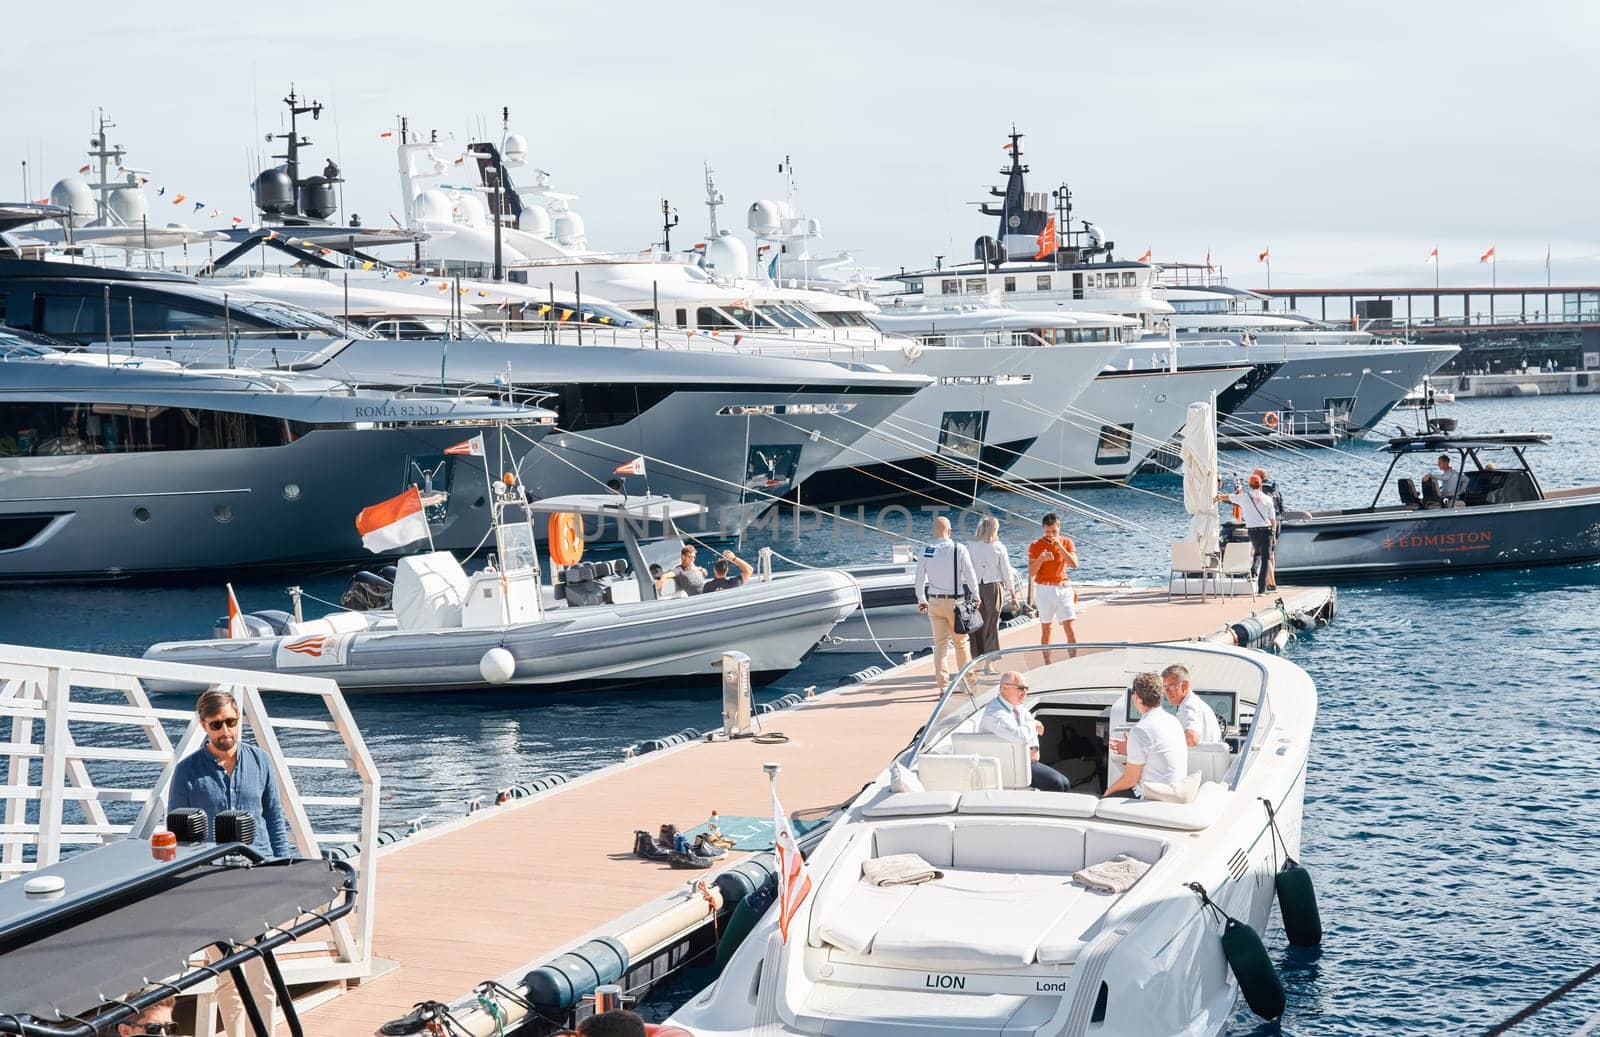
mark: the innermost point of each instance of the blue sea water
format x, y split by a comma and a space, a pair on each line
1452, 804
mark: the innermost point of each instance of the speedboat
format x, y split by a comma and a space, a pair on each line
1003, 938
1500, 517
597, 623
113, 468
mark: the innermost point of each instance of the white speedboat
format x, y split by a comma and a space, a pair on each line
597, 623
1004, 940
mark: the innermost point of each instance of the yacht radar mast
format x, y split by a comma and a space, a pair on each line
713, 199
281, 193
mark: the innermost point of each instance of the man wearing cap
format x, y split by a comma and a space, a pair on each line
1270, 488
1260, 518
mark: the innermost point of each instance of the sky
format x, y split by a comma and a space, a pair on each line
1347, 139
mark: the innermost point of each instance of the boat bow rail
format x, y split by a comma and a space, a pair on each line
105, 759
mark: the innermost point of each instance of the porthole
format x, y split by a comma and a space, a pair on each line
291, 491
223, 513
141, 514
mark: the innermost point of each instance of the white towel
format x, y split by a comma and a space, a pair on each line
900, 869
1114, 876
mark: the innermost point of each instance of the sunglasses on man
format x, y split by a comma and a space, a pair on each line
218, 725
167, 1029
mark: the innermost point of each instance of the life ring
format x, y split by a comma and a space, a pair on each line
566, 538
1271, 420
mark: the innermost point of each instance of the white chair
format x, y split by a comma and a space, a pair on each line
945, 772
1212, 760
1009, 754
1235, 563
1187, 563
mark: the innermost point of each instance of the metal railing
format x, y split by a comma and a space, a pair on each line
98, 732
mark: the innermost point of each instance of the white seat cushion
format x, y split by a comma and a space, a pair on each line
910, 804
852, 923
1017, 845
1028, 801
1011, 755
1075, 928
1100, 845
1211, 760
1207, 809
930, 840
949, 772
944, 927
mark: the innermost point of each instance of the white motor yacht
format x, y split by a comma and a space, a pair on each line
1003, 938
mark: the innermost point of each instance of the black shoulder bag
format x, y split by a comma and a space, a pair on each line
967, 616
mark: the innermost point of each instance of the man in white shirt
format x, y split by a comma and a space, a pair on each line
1155, 747
1449, 478
1198, 720
1261, 519
944, 575
1006, 717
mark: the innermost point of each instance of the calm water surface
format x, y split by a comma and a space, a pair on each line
1452, 803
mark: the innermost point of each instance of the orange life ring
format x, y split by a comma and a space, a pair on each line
1271, 419
566, 538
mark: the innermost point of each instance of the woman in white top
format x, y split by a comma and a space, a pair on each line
996, 583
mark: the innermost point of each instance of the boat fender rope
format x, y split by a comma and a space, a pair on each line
494, 1012
1297, 897
1247, 957
711, 905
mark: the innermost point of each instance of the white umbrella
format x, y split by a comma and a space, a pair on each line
1199, 453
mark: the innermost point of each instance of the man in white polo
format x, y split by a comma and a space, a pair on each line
1157, 752
1049, 558
1198, 720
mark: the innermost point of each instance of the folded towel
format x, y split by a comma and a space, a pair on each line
900, 869
1113, 876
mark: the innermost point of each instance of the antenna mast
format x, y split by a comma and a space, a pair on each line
99, 149
713, 199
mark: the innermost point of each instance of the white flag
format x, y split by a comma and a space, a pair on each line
634, 467
794, 876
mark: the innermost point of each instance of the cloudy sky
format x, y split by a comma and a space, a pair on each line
1349, 138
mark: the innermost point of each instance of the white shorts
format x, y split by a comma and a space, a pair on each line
1054, 602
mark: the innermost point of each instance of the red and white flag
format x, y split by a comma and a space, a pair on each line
1433, 257
1265, 255
794, 877
1209, 268
393, 523
1144, 258
235, 617
1487, 255
467, 447
1047, 240
634, 467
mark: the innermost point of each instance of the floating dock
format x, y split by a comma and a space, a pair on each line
507, 888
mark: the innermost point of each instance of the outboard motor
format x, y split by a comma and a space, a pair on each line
367, 591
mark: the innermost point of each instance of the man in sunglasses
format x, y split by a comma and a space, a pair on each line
228, 774
157, 1019
1007, 717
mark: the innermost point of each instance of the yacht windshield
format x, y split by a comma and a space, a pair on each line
781, 317
294, 318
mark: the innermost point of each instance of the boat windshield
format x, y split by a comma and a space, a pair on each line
515, 538
294, 318
1093, 668
780, 316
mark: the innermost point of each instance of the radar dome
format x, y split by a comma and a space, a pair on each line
726, 256
471, 211
764, 218
988, 250
129, 205
1097, 237
274, 192
515, 149
73, 193
317, 198
431, 206
813, 228
535, 220
568, 228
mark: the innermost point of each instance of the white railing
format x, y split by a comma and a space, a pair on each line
103, 746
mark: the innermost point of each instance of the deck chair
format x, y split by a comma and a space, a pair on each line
1235, 563
1187, 564
1431, 498
1408, 494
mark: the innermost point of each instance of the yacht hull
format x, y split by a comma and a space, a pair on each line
1561, 529
775, 623
208, 513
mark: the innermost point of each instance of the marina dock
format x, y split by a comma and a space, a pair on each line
509, 887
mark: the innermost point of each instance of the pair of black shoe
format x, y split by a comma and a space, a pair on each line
671, 846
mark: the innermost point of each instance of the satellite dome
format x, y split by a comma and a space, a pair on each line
515, 149
726, 256
129, 205
470, 210
535, 220
1097, 237
317, 198
813, 228
568, 228
431, 206
73, 193
274, 192
764, 219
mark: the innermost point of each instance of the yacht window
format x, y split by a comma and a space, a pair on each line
742, 317
600, 405
832, 320
1130, 279
1077, 286
1011, 284
683, 318
806, 316
1042, 283
977, 285
779, 316
1116, 444
58, 429
950, 286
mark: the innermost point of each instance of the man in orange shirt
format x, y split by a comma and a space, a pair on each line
1049, 558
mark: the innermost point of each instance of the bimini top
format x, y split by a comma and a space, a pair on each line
647, 508
1437, 442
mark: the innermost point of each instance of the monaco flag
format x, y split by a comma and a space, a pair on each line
1144, 258
1487, 255
235, 618
393, 523
471, 447
634, 467
794, 877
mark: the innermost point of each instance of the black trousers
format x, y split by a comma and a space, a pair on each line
1260, 554
986, 638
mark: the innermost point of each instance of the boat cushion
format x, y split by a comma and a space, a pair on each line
851, 923
1009, 754
1075, 928
930, 840
1028, 801
1017, 846
910, 804
1207, 809
428, 591
990, 921
952, 772
1100, 845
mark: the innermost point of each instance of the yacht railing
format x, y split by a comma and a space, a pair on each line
79, 730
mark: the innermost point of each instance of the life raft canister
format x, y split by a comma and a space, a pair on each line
1271, 420
566, 538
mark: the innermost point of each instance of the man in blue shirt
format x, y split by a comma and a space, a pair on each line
227, 774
